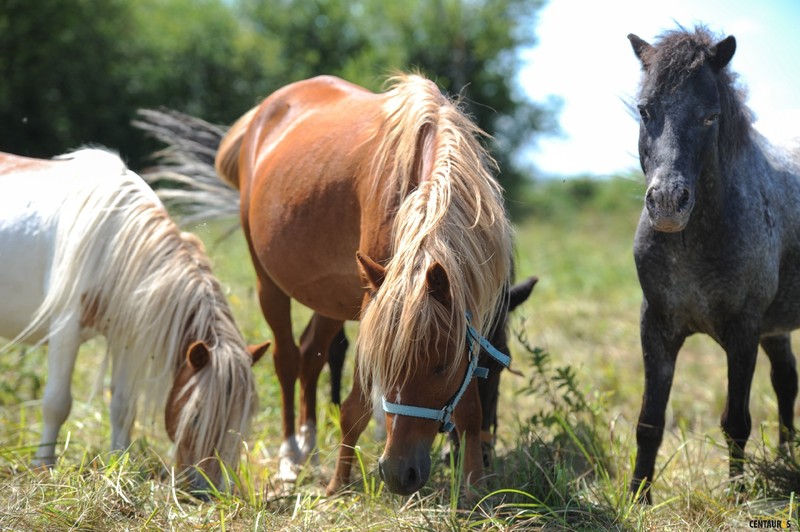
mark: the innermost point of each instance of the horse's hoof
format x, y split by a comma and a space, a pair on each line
307, 444
40, 463
289, 460
288, 471
334, 487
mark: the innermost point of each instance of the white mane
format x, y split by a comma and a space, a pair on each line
124, 269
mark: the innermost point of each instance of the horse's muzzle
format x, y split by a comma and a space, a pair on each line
669, 206
406, 474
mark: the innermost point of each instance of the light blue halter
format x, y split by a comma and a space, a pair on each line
443, 414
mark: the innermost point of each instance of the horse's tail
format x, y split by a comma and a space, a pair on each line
185, 177
227, 161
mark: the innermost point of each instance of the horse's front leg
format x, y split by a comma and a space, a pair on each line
57, 401
123, 406
784, 380
276, 307
740, 341
314, 344
660, 348
354, 418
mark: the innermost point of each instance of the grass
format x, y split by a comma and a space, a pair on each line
566, 437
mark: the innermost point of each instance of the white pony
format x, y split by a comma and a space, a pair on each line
87, 248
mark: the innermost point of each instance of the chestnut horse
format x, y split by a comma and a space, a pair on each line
488, 388
378, 207
87, 248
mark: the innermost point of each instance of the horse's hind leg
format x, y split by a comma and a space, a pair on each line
275, 305
314, 343
784, 380
336, 355
57, 401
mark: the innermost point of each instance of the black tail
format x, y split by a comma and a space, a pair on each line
184, 175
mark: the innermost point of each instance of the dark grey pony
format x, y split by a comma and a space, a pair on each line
717, 249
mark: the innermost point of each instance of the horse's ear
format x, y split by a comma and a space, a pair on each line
198, 355
372, 273
640, 46
424, 156
722, 53
257, 351
438, 284
520, 292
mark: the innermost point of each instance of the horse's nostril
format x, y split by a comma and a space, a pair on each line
683, 201
412, 477
650, 200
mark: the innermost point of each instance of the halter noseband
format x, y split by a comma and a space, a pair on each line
443, 414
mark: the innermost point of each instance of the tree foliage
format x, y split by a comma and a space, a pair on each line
75, 71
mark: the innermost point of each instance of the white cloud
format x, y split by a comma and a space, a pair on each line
584, 57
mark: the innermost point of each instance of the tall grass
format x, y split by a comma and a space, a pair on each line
565, 442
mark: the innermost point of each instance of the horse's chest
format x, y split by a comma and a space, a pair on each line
699, 290
25, 252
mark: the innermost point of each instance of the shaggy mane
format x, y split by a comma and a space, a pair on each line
454, 216
129, 273
676, 55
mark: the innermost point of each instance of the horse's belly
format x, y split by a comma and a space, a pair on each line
309, 252
783, 315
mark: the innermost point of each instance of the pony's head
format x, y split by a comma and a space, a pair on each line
429, 381
450, 258
689, 115
211, 399
207, 386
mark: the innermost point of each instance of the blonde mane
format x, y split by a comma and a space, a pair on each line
454, 216
125, 270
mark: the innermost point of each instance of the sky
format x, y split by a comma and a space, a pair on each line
584, 58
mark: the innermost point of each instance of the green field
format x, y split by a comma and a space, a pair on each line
566, 441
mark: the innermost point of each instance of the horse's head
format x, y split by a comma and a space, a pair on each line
679, 106
429, 389
207, 409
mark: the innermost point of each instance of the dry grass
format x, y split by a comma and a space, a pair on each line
568, 473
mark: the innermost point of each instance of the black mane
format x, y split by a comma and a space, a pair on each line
676, 55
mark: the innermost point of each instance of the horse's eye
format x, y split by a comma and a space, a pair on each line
710, 119
438, 371
644, 112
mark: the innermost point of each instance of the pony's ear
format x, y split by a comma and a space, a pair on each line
438, 284
372, 273
722, 53
198, 355
257, 351
424, 156
520, 292
640, 46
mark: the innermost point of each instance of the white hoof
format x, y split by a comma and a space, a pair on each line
289, 460
307, 442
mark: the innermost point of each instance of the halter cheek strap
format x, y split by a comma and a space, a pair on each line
443, 414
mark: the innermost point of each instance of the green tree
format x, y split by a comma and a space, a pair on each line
59, 82
75, 71
469, 48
